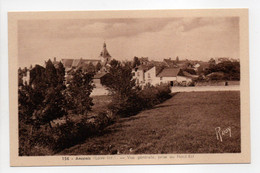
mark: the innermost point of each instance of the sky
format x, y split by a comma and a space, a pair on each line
156, 38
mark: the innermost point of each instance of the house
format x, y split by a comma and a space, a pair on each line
104, 58
138, 74
221, 59
170, 63
72, 64
26, 77
196, 66
97, 79
170, 75
144, 60
184, 78
99, 89
202, 67
151, 75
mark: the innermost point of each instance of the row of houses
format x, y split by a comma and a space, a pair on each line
160, 75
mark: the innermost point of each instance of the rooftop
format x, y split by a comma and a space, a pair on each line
169, 72
76, 62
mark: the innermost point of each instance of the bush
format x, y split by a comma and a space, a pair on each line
163, 92
125, 106
140, 100
48, 141
74, 132
71, 133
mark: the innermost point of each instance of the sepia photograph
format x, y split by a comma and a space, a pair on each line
129, 87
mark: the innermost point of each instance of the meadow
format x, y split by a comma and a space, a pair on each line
185, 123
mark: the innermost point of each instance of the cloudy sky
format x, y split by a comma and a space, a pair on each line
157, 38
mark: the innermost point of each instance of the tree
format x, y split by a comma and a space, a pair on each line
98, 66
78, 91
37, 76
60, 73
212, 62
119, 79
51, 74
25, 106
20, 77
47, 94
38, 86
120, 83
230, 69
177, 59
136, 62
52, 107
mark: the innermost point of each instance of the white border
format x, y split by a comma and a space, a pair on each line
68, 5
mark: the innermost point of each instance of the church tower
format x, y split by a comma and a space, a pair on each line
104, 55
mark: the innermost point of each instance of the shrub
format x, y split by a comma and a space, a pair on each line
163, 92
48, 141
124, 106
140, 100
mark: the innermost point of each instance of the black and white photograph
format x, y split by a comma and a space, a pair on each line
130, 86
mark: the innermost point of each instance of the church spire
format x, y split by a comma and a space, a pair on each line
104, 55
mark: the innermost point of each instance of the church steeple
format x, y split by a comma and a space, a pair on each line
104, 55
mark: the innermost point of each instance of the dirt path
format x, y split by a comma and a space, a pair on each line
183, 124
206, 88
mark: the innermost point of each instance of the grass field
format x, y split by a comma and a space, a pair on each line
183, 124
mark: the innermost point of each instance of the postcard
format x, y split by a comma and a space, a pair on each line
129, 87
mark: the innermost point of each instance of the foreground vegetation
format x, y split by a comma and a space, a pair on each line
183, 124
55, 114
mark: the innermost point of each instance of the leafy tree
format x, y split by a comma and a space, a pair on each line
51, 74
52, 106
120, 83
136, 62
47, 93
25, 106
230, 69
91, 68
212, 62
20, 77
177, 59
37, 89
78, 91
37, 77
60, 73
119, 79
98, 66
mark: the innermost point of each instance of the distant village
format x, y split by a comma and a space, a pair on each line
175, 72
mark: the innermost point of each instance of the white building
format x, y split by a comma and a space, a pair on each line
26, 77
139, 74
151, 76
168, 75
